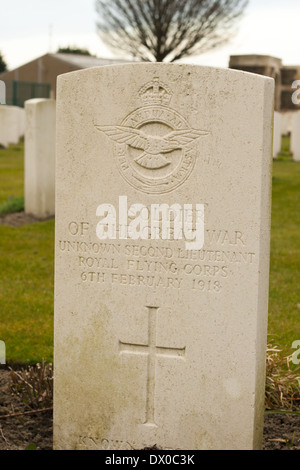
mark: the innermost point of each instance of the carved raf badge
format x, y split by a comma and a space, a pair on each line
154, 144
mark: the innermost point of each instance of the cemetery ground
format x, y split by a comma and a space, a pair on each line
26, 306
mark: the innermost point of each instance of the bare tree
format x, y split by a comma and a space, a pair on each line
159, 30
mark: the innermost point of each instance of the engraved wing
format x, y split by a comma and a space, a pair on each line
153, 146
179, 139
126, 135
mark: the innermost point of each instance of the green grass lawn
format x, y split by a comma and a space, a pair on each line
27, 269
27, 265
284, 299
26, 291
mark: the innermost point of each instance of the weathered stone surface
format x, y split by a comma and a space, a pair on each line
157, 343
2, 92
11, 118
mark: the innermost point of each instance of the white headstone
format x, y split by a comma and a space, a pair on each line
22, 122
13, 124
2, 353
10, 125
287, 118
295, 136
40, 157
2, 92
277, 133
158, 339
3, 126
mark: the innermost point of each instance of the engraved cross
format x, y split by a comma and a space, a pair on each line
152, 351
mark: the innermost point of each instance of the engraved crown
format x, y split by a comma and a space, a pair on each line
155, 92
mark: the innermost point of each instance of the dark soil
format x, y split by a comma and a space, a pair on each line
17, 432
281, 431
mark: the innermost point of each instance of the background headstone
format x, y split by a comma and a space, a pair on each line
3, 126
157, 344
13, 117
277, 133
287, 118
40, 157
2, 353
11, 128
22, 123
295, 136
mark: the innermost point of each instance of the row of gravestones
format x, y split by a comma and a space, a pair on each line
40, 150
287, 123
158, 344
37, 124
40, 147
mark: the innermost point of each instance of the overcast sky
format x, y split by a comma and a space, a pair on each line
31, 28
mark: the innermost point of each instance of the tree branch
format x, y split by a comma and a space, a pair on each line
167, 29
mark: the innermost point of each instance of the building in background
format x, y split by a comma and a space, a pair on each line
37, 79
